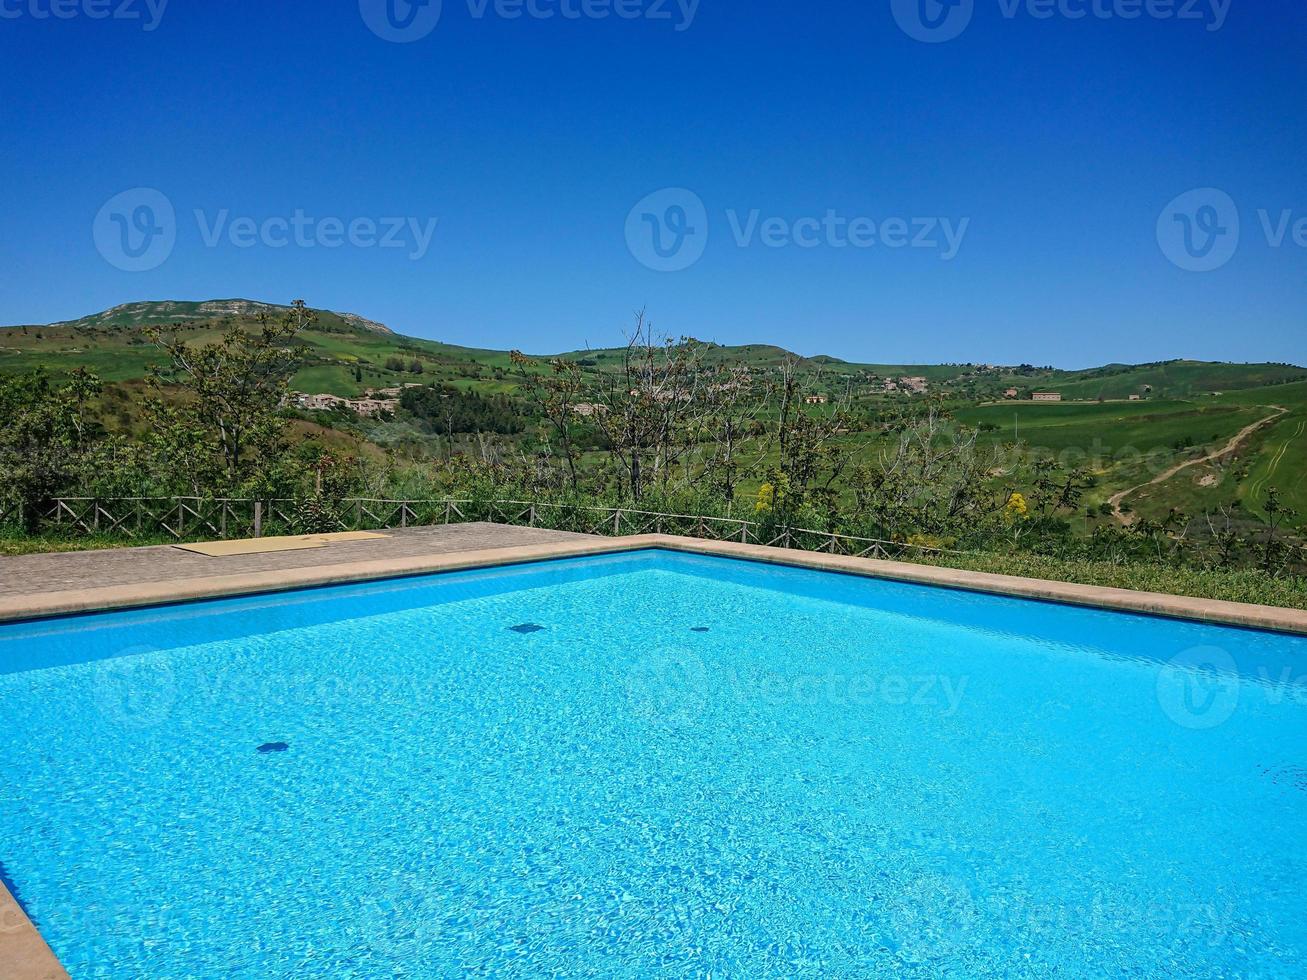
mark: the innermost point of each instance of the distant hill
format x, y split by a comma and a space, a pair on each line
163, 312
351, 353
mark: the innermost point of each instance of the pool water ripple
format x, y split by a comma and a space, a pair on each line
841, 777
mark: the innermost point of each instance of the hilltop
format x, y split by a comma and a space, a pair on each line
163, 312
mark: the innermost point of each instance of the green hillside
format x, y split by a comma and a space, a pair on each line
1186, 409
343, 344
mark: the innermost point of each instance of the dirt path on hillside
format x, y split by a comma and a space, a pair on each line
1258, 485
1117, 499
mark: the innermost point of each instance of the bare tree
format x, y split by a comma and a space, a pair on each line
556, 395
652, 406
735, 405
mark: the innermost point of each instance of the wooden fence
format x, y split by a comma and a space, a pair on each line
192, 518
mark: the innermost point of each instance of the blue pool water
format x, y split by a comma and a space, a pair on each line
694, 767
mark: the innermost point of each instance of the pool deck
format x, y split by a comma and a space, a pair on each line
30, 576
34, 586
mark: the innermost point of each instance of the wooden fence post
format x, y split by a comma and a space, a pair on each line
258, 518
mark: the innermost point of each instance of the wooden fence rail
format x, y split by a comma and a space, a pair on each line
191, 518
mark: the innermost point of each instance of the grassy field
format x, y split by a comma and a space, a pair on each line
1176, 379
1126, 444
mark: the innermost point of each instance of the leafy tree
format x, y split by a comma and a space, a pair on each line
457, 411
228, 393
45, 436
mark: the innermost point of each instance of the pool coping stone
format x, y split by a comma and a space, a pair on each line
1214, 611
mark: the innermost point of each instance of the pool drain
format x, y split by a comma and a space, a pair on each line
269, 747
526, 628
1295, 776
698, 629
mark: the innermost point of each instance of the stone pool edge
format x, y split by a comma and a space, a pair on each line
22, 950
1214, 611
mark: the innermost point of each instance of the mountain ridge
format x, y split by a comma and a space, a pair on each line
145, 313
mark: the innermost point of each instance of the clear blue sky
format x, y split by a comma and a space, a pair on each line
1061, 141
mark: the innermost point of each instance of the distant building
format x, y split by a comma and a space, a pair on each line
815, 400
371, 407
360, 406
319, 403
1046, 396
393, 392
917, 386
589, 410
1010, 393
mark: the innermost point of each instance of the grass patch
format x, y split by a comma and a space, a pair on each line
1233, 586
14, 542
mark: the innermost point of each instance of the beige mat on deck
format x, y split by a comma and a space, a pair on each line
263, 546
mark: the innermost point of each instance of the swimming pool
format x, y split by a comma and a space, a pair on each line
654, 763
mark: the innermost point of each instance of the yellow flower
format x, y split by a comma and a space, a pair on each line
1016, 507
